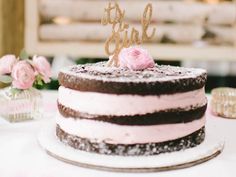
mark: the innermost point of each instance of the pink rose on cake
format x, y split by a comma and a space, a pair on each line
43, 67
6, 64
23, 75
135, 58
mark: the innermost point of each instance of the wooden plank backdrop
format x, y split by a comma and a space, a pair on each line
81, 35
1, 33
177, 11
11, 26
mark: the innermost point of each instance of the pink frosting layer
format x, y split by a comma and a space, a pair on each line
120, 134
112, 104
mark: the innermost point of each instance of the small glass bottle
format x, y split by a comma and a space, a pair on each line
20, 105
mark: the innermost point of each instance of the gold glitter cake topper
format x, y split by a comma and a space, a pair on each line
114, 16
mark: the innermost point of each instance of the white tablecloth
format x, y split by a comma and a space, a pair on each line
21, 156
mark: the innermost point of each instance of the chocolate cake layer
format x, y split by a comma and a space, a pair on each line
161, 79
162, 117
84, 144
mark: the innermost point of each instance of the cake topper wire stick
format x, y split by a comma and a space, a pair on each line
119, 38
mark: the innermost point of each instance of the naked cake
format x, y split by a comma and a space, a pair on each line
130, 105
118, 111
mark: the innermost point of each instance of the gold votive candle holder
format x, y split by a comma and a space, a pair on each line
223, 102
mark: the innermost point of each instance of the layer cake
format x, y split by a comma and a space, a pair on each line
118, 111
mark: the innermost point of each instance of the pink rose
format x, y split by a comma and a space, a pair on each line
135, 58
6, 64
43, 67
23, 75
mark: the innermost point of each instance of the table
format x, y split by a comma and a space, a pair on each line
21, 156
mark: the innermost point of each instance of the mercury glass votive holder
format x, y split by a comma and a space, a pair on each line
223, 102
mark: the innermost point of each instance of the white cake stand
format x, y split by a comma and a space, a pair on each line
210, 148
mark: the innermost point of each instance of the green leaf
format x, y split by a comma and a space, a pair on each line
40, 82
24, 54
5, 79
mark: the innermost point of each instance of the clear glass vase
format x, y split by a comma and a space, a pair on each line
20, 105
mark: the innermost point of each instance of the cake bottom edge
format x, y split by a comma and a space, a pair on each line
146, 149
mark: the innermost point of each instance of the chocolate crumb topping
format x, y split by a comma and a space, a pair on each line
161, 79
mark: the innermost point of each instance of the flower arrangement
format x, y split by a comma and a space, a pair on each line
22, 72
